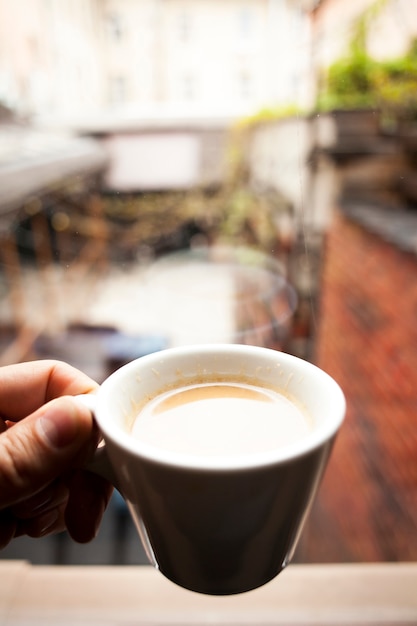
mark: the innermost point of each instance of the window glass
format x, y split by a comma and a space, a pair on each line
155, 194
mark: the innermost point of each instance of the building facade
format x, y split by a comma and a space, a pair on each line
73, 56
49, 58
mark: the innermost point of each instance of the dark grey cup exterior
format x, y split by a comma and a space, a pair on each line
231, 535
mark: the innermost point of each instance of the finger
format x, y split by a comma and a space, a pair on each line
88, 499
49, 498
48, 523
7, 528
27, 386
43, 447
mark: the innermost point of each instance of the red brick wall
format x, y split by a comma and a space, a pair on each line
367, 339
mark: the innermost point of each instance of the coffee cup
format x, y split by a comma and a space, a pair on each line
218, 523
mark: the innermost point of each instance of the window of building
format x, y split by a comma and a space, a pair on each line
115, 27
117, 89
189, 86
244, 85
184, 26
245, 23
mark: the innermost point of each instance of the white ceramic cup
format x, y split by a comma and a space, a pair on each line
217, 526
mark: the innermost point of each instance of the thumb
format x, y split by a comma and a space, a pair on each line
41, 447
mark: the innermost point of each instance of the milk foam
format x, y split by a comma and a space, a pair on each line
221, 419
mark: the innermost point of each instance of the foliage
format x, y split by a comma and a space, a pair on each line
397, 86
270, 114
351, 82
359, 81
362, 26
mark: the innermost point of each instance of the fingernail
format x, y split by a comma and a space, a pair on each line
59, 425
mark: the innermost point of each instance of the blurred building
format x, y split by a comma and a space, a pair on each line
70, 57
49, 56
196, 51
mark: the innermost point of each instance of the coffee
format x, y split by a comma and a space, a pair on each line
221, 419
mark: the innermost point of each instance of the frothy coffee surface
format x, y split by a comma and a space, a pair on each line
220, 419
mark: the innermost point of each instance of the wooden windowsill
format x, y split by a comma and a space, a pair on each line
384, 594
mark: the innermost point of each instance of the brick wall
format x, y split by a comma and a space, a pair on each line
367, 339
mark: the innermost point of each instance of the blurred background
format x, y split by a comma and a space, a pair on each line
179, 171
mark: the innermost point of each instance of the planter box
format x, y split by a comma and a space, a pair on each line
408, 189
356, 122
350, 131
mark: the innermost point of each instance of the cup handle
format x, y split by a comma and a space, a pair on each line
100, 463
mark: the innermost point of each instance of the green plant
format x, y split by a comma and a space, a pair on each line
351, 82
270, 114
397, 86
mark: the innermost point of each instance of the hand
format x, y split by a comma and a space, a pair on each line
48, 437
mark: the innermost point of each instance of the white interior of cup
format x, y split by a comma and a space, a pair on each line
124, 392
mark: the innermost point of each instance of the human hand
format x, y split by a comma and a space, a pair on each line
48, 438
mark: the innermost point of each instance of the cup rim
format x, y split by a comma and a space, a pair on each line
320, 434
